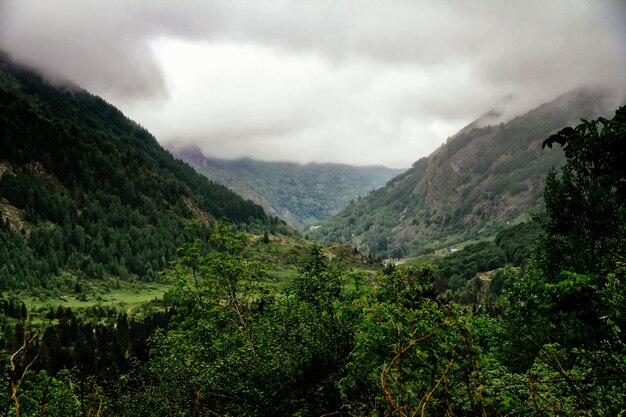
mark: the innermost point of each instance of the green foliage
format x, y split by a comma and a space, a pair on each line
462, 265
517, 241
573, 291
397, 315
586, 201
478, 273
502, 280
585, 231
254, 353
318, 281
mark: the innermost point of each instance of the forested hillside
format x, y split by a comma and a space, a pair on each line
303, 195
480, 180
85, 189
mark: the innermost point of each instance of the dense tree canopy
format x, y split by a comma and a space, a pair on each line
569, 306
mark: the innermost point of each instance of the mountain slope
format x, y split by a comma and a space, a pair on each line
469, 188
85, 189
301, 194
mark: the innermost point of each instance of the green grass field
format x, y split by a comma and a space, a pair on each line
135, 299
127, 299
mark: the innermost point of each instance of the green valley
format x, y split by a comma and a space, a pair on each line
131, 285
302, 195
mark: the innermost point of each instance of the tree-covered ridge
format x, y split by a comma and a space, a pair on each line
84, 188
303, 195
469, 188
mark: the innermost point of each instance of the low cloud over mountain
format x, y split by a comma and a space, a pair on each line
375, 82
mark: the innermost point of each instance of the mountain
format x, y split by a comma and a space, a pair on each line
303, 195
480, 180
84, 189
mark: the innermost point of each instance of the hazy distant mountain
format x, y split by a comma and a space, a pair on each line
301, 194
85, 189
478, 181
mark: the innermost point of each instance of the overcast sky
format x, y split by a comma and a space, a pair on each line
361, 82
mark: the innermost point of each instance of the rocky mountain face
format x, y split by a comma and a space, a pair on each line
303, 195
480, 180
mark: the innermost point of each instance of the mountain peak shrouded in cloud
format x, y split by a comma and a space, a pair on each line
347, 81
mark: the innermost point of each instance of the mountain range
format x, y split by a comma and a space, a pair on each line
482, 179
303, 195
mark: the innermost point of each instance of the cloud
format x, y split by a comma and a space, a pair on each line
297, 106
357, 81
93, 46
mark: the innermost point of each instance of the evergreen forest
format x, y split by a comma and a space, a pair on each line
85, 192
